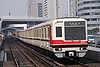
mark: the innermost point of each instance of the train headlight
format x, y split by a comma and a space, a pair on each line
82, 48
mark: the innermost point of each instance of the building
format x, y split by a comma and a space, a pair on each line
90, 10
52, 8
57, 8
72, 8
47, 8
60, 8
34, 8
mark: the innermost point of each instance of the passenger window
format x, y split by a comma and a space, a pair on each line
45, 33
42, 34
58, 31
49, 32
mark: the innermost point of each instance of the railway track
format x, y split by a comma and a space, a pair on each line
21, 59
52, 63
48, 62
25, 56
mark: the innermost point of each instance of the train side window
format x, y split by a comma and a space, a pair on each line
28, 33
58, 31
42, 34
49, 32
33, 33
45, 32
25, 33
37, 32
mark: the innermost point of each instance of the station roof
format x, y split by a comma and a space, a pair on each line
16, 18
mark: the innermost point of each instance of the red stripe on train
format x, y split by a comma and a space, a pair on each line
67, 42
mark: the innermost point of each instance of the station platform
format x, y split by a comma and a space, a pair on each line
1, 58
1, 55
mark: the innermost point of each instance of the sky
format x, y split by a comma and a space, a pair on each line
15, 7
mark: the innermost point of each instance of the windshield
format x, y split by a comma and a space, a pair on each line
75, 30
90, 37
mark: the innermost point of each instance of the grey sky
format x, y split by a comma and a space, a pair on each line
15, 7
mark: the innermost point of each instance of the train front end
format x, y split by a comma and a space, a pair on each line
69, 37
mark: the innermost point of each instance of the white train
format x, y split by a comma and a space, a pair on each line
63, 36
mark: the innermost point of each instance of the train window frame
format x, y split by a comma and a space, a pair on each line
33, 33
24, 33
45, 31
49, 33
42, 33
57, 31
28, 33
37, 33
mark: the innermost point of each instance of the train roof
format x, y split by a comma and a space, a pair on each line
57, 19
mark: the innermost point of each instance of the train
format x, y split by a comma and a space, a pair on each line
64, 37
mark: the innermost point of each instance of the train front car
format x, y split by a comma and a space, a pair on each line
69, 37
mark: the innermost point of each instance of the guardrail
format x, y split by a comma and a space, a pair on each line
94, 45
96, 35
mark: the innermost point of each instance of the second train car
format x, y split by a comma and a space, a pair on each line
64, 36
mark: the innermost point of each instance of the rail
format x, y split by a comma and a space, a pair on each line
18, 60
43, 58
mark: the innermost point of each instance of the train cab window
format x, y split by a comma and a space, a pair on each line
58, 31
